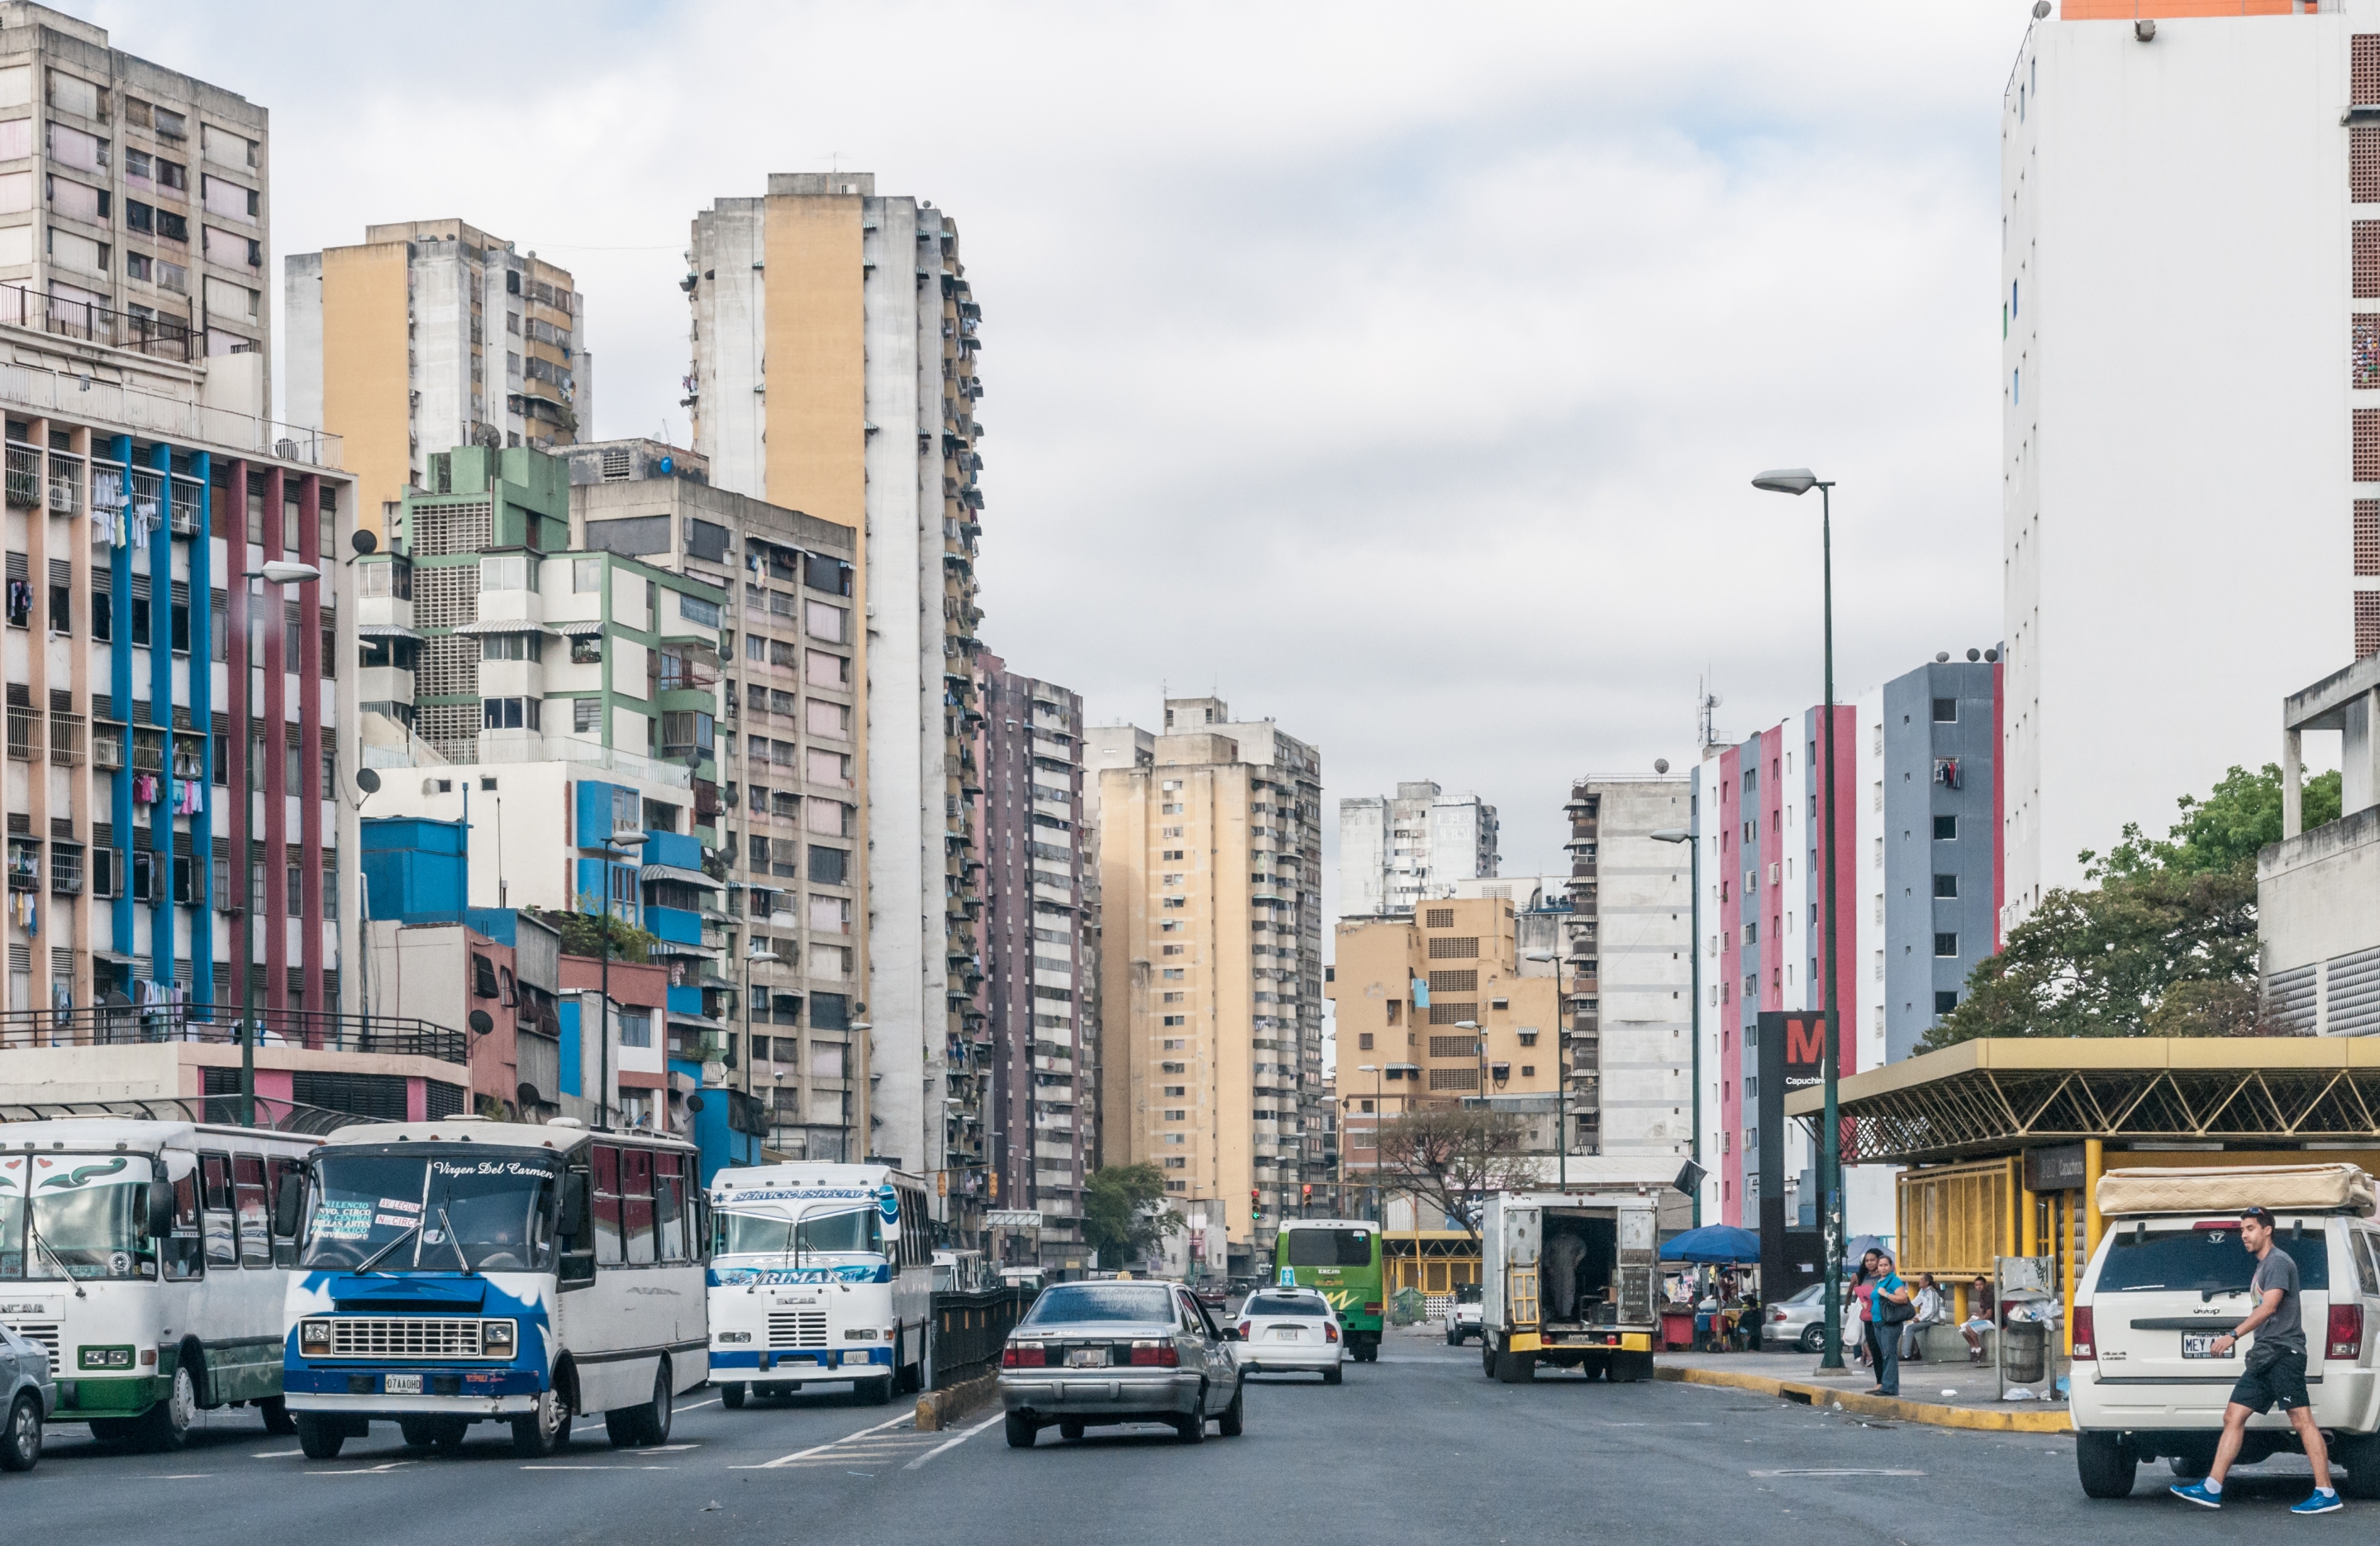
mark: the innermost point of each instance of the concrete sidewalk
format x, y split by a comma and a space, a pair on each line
1943, 1395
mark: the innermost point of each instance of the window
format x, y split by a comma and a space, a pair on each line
586, 716
587, 575
1945, 1001
512, 646
606, 1200
636, 1027
1946, 884
697, 612
1945, 943
253, 1214
705, 541
500, 571
827, 864
586, 649
215, 1199
510, 713
1946, 828
1945, 711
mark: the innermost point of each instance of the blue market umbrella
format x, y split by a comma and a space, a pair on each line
1714, 1245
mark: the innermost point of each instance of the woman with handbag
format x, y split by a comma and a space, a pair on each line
1888, 1306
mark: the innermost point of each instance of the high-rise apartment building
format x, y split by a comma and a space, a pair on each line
793, 832
1037, 953
1104, 747
834, 346
137, 210
1414, 844
1627, 967
1210, 966
2162, 162
1406, 988
428, 335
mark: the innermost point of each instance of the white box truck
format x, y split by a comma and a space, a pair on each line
1568, 1280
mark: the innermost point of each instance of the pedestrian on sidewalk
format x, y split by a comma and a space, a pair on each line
2276, 1375
1930, 1312
1888, 1309
1978, 1321
1863, 1286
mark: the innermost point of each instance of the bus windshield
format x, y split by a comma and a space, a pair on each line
1328, 1248
86, 1218
851, 1230
431, 1212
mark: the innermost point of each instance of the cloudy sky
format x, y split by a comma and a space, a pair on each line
1396, 370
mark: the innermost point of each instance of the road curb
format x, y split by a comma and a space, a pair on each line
1902, 1410
937, 1410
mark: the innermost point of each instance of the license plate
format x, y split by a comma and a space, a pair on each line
402, 1384
1284, 1333
2199, 1345
1086, 1358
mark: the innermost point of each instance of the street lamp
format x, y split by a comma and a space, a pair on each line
611, 847
1374, 1069
755, 954
1694, 983
1562, 1065
276, 572
867, 1058
1798, 481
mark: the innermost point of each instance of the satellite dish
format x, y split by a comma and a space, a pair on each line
366, 781
482, 1022
1974, 654
1941, 657
527, 1096
364, 541
694, 1103
1716, 700
1660, 765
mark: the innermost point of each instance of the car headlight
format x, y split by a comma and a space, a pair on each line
731, 1336
104, 1357
314, 1338
496, 1338
863, 1333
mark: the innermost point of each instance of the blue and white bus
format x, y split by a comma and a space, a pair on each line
466, 1271
818, 1273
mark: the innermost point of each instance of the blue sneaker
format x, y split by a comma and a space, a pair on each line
2321, 1503
2196, 1493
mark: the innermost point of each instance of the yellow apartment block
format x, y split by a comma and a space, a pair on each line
1405, 985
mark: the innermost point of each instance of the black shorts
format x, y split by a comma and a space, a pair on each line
2275, 1377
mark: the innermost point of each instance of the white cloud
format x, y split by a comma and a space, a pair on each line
1395, 368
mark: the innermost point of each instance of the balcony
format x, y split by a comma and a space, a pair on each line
156, 338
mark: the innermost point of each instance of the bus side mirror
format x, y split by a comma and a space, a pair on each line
290, 1206
575, 1209
161, 1209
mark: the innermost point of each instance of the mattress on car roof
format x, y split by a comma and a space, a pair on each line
2227, 1189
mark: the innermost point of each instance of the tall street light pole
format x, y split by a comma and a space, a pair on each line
276, 572
753, 956
611, 847
1695, 985
1798, 481
1374, 1069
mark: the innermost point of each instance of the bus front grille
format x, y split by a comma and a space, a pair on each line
43, 1333
403, 1336
797, 1328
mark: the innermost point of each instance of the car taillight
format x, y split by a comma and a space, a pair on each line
2345, 1331
1244, 1331
1778, 1314
1023, 1355
1330, 1331
1160, 1355
2085, 1344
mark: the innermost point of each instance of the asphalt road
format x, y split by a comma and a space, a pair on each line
1417, 1447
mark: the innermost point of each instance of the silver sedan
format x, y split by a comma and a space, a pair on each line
1096, 1354
28, 1399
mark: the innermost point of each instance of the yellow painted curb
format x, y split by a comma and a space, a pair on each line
938, 1409
1991, 1420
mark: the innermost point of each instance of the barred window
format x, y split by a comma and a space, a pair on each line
1454, 1079
1463, 948
1454, 982
1454, 1013
1439, 918
2367, 623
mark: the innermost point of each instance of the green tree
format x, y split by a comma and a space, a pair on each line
2165, 945
1449, 1158
1123, 1218
582, 933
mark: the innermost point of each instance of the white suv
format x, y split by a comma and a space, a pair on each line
1463, 1315
2147, 1383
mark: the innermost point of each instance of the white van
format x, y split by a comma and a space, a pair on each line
2170, 1275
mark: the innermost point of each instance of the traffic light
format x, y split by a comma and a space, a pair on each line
1256, 1205
1305, 1194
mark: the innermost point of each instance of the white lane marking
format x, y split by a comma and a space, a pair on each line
180, 1476
820, 1449
954, 1442
595, 1467
667, 1449
275, 1454
1845, 1470
365, 1470
694, 1406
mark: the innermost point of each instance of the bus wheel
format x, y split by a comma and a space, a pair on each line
731, 1395
538, 1432
166, 1425
320, 1437
648, 1425
276, 1411
875, 1393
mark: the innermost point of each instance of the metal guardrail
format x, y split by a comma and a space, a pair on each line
93, 323
969, 1330
129, 1025
219, 1110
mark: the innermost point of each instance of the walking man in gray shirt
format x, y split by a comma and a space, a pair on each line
2275, 1374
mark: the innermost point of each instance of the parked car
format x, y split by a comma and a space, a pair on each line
28, 1398
1463, 1317
1215, 1295
1099, 1353
1798, 1322
1290, 1330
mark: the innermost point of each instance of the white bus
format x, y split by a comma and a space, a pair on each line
818, 1273
466, 1271
141, 1255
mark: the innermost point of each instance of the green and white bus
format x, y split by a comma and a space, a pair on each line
1341, 1258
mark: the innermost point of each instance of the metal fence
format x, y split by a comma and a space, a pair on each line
280, 1116
128, 1024
970, 1329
